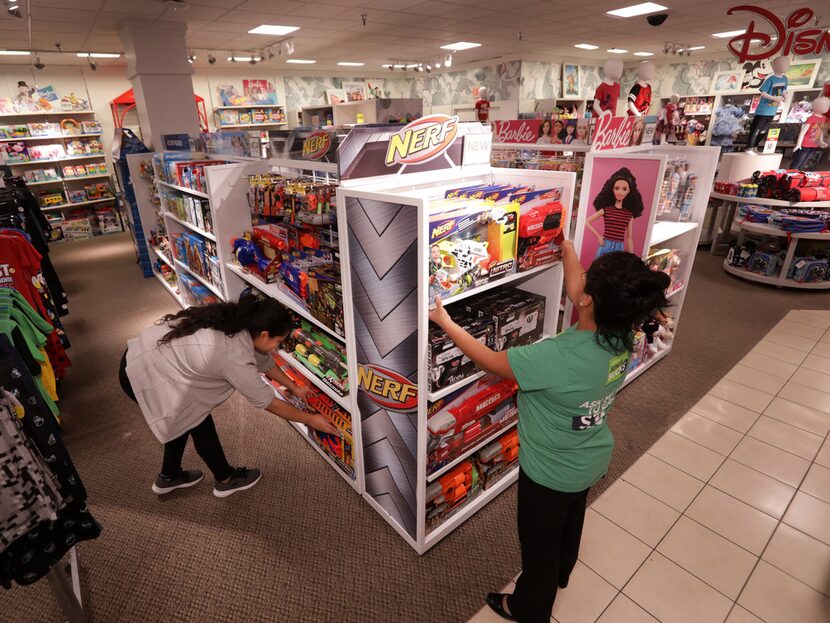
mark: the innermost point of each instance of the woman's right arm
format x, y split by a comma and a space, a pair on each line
573, 269
289, 412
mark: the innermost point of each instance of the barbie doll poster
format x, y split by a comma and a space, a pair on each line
620, 206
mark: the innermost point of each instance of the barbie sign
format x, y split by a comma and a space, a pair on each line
786, 37
613, 132
516, 131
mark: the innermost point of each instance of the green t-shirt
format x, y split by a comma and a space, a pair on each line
567, 386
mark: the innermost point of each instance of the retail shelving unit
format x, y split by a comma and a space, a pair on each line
321, 112
241, 110
383, 110
682, 236
384, 224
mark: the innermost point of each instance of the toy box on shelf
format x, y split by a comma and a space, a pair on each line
496, 458
181, 169
321, 355
194, 293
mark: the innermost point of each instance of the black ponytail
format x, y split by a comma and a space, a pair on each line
626, 293
252, 314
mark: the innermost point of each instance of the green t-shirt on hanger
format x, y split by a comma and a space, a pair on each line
567, 386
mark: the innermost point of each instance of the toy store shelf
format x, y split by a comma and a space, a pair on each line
68, 159
343, 401
49, 137
675, 292
163, 257
249, 107
771, 202
273, 290
251, 125
474, 506
170, 289
198, 230
44, 183
49, 113
769, 230
437, 395
305, 165
84, 177
666, 230
777, 280
495, 284
697, 114
189, 191
303, 429
78, 204
467, 453
633, 374
201, 279
542, 147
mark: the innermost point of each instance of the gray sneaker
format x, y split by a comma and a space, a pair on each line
186, 478
241, 479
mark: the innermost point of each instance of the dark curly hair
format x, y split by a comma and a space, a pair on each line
633, 202
251, 313
626, 293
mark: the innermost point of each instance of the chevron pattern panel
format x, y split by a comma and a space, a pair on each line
383, 250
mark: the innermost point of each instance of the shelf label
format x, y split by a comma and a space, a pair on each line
772, 140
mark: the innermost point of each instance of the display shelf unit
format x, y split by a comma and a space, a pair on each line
199, 278
236, 126
189, 226
78, 204
144, 216
307, 114
54, 160
780, 280
303, 430
666, 230
47, 113
343, 401
171, 290
183, 189
377, 111
163, 257
436, 395
387, 219
217, 116
64, 180
51, 137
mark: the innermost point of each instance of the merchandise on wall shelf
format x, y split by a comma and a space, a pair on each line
194, 293
321, 355
676, 192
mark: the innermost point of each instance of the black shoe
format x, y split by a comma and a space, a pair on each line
186, 478
496, 603
241, 479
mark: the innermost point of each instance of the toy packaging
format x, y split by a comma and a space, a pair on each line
518, 317
443, 496
320, 354
325, 296
667, 261
448, 365
52, 199
15, 152
541, 219
194, 293
458, 421
47, 152
497, 457
107, 221
77, 196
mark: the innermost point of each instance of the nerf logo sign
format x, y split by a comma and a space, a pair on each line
422, 140
387, 388
316, 145
442, 230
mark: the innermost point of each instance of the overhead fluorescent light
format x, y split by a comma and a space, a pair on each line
244, 59
300, 61
412, 65
14, 53
350, 64
460, 45
637, 9
616, 51
728, 33
270, 29
96, 55
643, 53
697, 47
586, 46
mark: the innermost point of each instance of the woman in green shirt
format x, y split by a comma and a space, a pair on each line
567, 386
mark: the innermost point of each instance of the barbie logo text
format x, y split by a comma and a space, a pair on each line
788, 37
612, 132
515, 131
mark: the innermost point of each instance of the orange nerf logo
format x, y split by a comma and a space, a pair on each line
422, 140
316, 145
387, 388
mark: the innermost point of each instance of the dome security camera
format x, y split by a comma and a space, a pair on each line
211, 59
657, 20
39, 63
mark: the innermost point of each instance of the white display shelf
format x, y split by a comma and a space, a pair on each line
170, 289
543, 147
50, 137
251, 125
633, 374
68, 159
48, 113
696, 114
304, 165
274, 291
777, 280
343, 401
437, 395
472, 450
199, 278
466, 510
495, 284
198, 230
163, 257
771, 202
248, 107
666, 230
45, 183
303, 429
189, 191
61, 180
78, 204
770, 230
674, 293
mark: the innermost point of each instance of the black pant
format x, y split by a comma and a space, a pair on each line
205, 440
550, 528
758, 130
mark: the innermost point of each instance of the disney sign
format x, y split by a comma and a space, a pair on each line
792, 36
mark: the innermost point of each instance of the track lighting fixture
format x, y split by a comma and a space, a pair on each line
191, 57
92, 64
253, 60
678, 49
232, 59
58, 47
211, 59
39, 63
448, 61
14, 10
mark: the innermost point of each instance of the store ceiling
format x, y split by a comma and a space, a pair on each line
400, 30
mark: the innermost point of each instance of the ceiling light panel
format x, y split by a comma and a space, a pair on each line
643, 53
616, 51
270, 29
728, 33
14, 53
96, 55
637, 9
350, 64
460, 45
586, 46
300, 61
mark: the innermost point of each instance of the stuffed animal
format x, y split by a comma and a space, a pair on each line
727, 122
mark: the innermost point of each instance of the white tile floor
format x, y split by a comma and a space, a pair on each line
727, 517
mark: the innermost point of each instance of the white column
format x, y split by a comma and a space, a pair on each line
157, 67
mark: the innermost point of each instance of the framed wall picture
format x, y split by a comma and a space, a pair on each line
802, 73
355, 91
571, 83
335, 96
727, 81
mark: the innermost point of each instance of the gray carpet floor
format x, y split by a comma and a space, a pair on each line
301, 545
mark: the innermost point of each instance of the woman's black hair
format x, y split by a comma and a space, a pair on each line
251, 313
633, 202
626, 293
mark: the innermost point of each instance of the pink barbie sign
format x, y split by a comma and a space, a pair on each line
616, 132
516, 131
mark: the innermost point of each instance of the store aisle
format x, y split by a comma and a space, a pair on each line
727, 516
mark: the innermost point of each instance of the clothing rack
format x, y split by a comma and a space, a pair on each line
65, 582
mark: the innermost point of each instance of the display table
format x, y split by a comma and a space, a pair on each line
720, 226
781, 279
